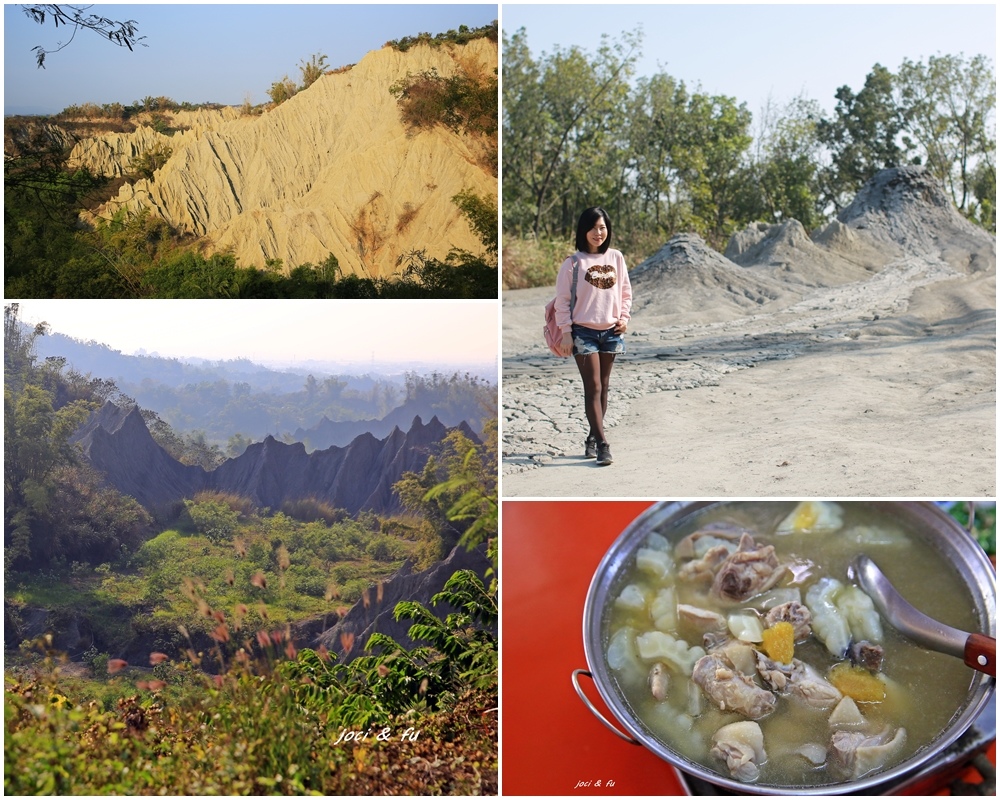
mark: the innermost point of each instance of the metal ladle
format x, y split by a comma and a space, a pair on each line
978, 651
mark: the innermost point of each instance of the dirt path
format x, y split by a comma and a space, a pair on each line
885, 387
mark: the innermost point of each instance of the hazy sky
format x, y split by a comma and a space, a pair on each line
205, 53
345, 331
749, 51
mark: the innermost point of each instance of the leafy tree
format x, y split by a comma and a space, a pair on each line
559, 147
312, 70
714, 139
863, 137
984, 189
783, 177
949, 105
122, 34
656, 111
481, 212
282, 90
213, 518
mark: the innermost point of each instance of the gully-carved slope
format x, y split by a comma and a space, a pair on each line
332, 170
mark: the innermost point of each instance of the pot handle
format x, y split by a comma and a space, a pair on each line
586, 701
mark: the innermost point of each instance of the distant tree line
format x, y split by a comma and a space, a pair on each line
463, 35
582, 129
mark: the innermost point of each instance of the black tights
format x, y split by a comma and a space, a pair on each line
595, 369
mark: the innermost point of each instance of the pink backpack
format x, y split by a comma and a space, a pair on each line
553, 336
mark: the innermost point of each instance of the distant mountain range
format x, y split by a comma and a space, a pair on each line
224, 398
358, 477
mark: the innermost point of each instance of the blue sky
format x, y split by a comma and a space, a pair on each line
751, 51
205, 53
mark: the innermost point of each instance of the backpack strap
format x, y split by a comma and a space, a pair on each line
572, 288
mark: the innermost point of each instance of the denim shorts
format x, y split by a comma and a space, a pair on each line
587, 341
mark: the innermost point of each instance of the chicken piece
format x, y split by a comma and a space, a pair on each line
703, 569
659, 680
775, 676
811, 687
712, 535
752, 569
713, 640
741, 746
799, 679
853, 755
730, 689
867, 655
795, 613
700, 619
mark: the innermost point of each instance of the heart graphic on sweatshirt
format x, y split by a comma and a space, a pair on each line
602, 276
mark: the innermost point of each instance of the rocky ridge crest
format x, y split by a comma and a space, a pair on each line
358, 477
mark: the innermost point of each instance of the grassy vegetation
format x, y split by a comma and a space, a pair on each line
463, 35
275, 721
296, 570
528, 263
983, 525
227, 704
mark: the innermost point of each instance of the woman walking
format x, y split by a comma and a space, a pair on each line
593, 312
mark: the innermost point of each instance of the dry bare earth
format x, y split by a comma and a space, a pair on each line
857, 363
332, 170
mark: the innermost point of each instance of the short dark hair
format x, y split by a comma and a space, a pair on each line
587, 221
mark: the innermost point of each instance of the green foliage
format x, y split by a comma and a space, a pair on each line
189, 448
980, 520
212, 518
275, 716
863, 137
481, 212
463, 35
282, 90
532, 262
457, 492
149, 161
949, 105
312, 70
562, 132
464, 102
663, 158
55, 508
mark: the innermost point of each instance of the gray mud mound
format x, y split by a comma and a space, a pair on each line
686, 275
789, 255
856, 246
906, 207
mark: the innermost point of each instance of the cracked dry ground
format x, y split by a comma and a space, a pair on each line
542, 406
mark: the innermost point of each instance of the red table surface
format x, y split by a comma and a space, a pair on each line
550, 742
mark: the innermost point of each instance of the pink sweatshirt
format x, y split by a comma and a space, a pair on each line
603, 291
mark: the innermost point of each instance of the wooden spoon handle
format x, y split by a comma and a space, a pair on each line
981, 653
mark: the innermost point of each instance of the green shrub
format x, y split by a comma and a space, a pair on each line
149, 161
213, 518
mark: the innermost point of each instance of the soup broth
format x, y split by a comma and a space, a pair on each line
922, 689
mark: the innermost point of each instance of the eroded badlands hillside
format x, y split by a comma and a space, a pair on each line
331, 170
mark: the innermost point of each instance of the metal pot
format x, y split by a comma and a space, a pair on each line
946, 537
